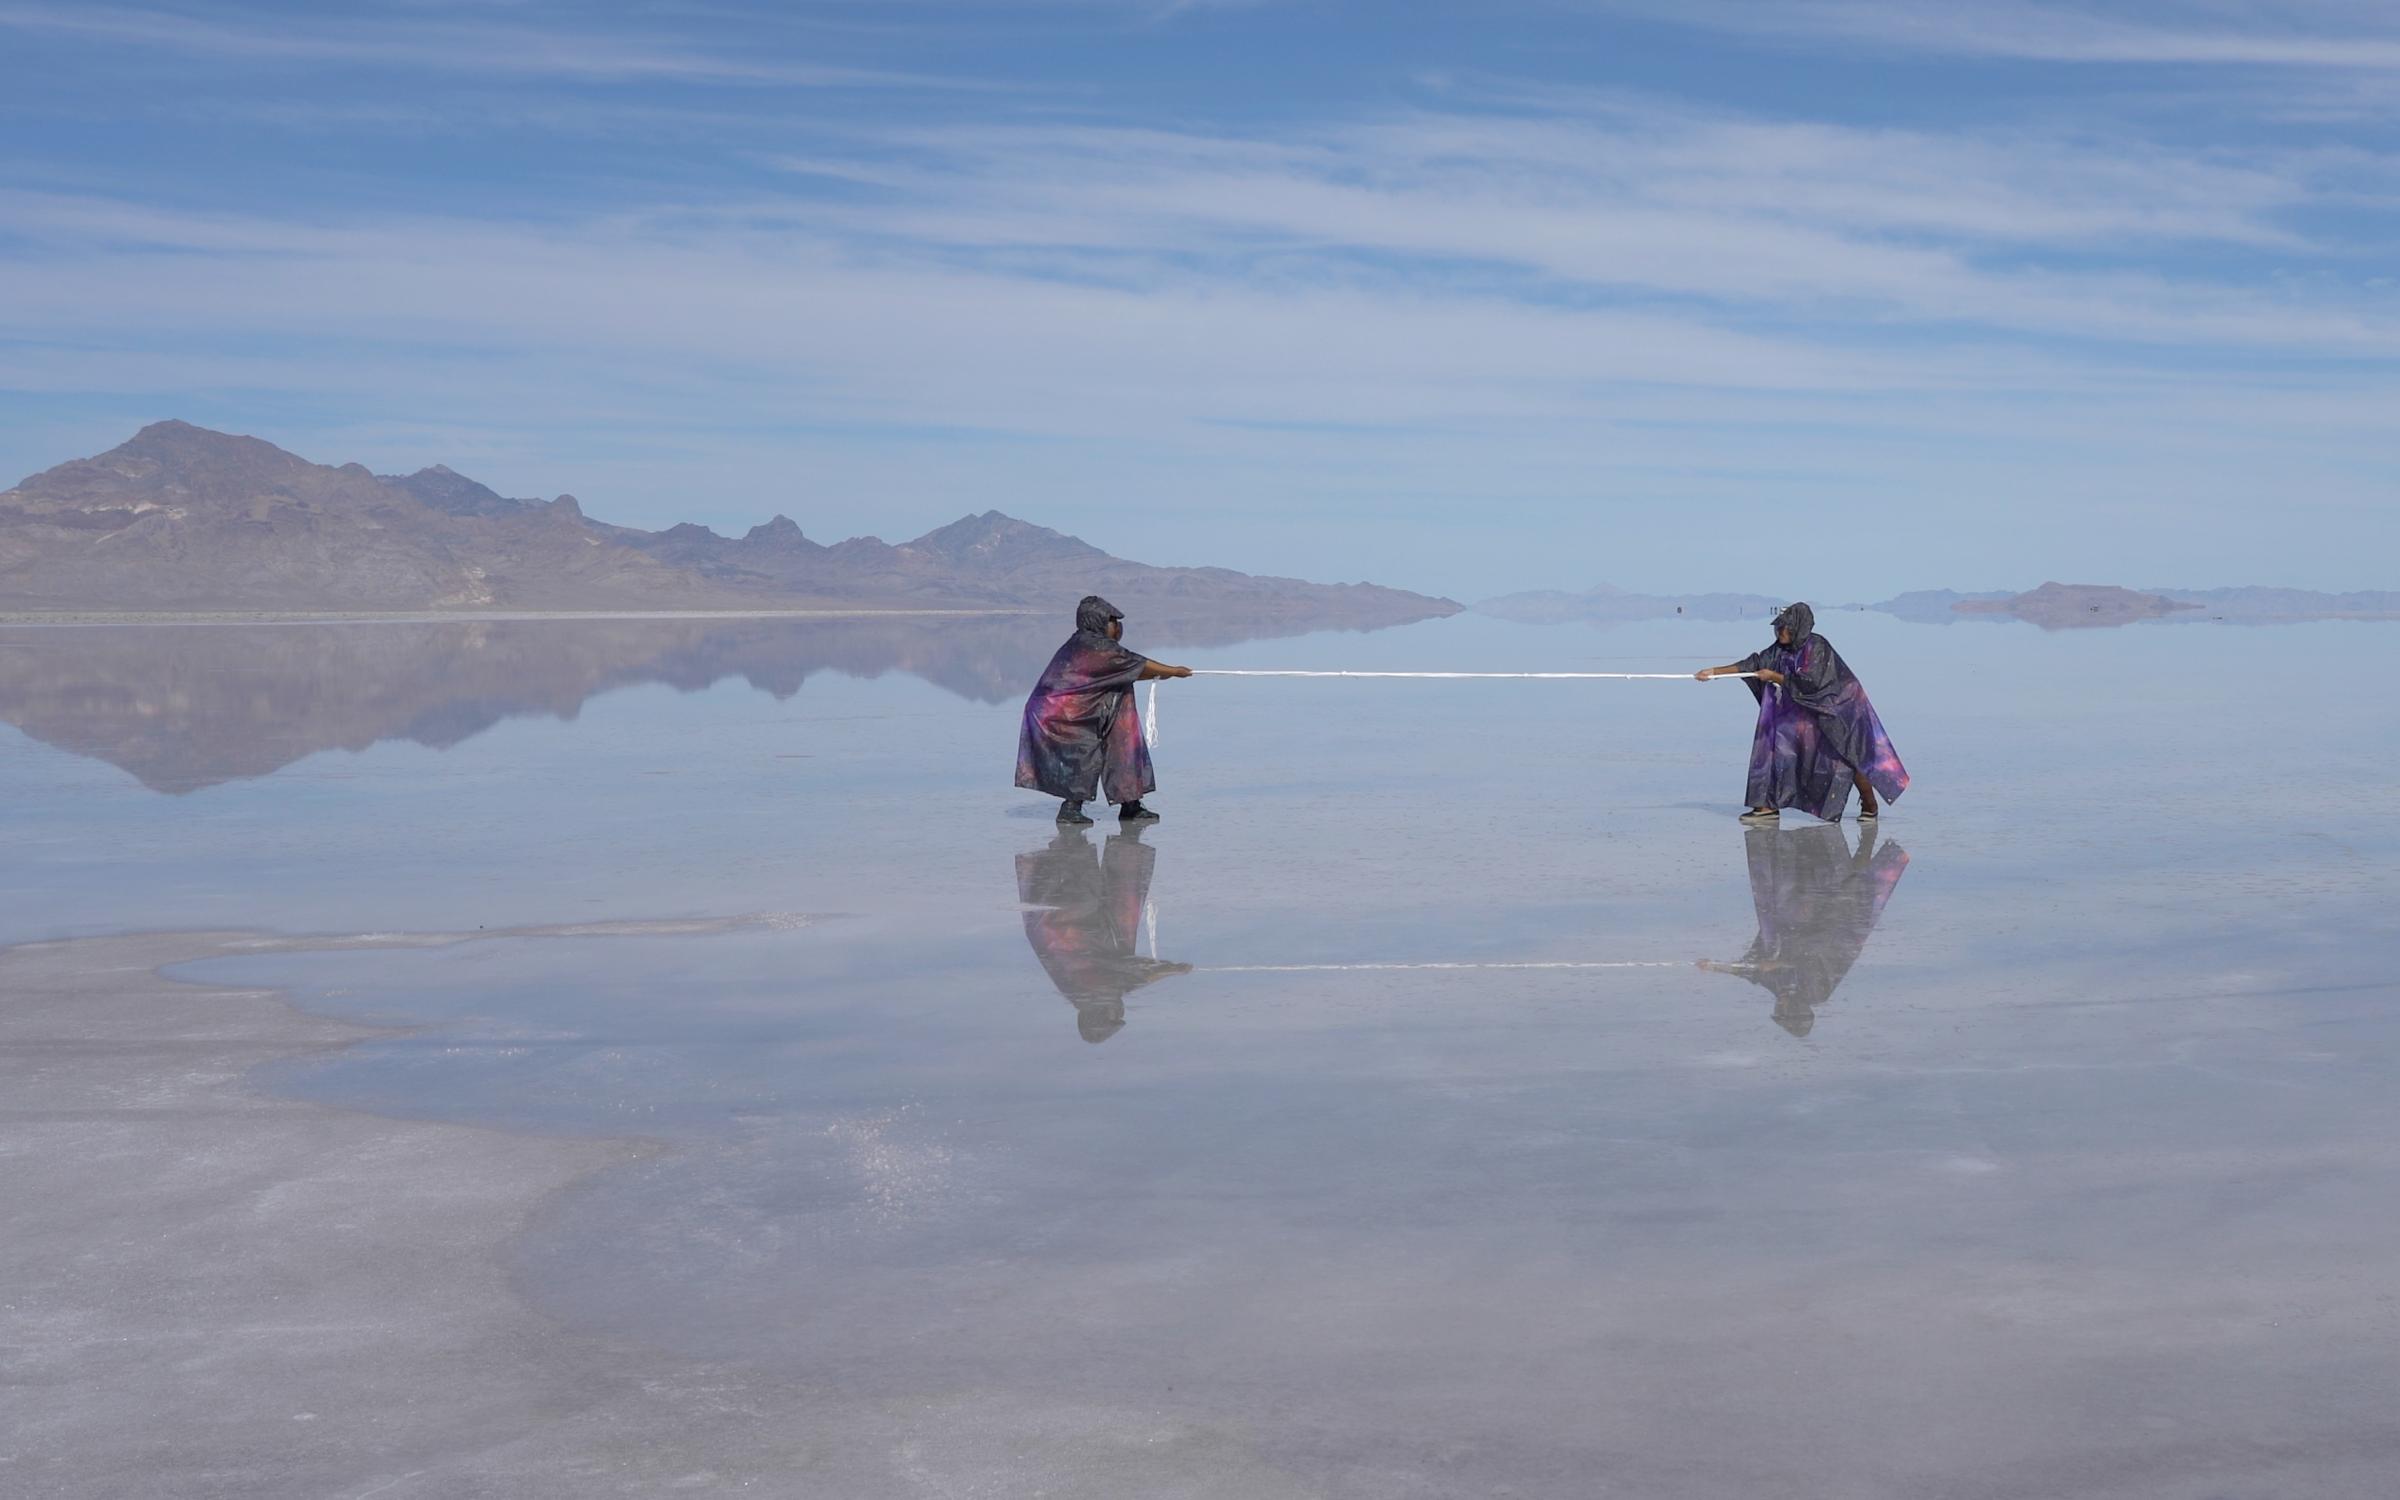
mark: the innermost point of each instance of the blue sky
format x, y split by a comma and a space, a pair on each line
1822, 297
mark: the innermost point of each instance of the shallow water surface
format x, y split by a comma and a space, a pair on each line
1449, 1097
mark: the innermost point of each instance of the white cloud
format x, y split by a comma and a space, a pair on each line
2018, 234
2339, 35
440, 45
1450, 267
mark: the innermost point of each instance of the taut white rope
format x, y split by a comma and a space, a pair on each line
1647, 963
1542, 676
1150, 714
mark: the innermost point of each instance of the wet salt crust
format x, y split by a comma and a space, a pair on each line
2037, 1145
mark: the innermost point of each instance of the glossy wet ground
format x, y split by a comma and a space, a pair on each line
1447, 1098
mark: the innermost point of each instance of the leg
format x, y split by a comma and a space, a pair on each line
1774, 752
1866, 794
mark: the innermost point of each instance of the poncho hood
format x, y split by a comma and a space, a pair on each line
1799, 619
1095, 613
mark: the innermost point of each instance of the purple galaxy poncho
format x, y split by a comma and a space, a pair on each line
1082, 736
1815, 728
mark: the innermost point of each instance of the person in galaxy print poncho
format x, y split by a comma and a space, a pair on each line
1818, 736
1083, 734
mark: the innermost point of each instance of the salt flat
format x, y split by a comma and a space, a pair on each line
1447, 1098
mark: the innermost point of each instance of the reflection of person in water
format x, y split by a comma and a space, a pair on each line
1817, 902
1091, 914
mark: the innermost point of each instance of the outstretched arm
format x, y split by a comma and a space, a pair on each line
1161, 669
1732, 668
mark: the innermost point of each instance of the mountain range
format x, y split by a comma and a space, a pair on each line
183, 519
180, 519
2053, 606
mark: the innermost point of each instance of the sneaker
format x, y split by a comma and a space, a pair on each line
1072, 814
1770, 815
1134, 812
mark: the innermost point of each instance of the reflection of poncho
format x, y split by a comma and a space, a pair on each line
1817, 903
1815, 727
1083, 733
1085, 937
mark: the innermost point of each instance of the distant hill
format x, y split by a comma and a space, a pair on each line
1935, 606
447, 490
180, 518
2077, 606
2274, 606
1608, 603
2053, 606
2060, 606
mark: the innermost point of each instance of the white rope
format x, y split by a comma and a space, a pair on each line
1150, 709
1649, 963
1540, 676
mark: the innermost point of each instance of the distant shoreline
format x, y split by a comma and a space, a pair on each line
489, 616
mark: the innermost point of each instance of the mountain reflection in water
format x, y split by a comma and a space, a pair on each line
186, 706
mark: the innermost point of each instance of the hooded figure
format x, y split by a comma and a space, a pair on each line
1082, 736
1817, 733
1817, 903
1091, 911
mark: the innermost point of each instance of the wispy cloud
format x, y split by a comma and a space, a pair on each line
1800, 223
1446, 271
2346, 35
450, 46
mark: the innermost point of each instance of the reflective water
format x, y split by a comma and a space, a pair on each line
1448, 1098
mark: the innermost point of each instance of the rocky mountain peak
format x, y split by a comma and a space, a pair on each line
993, 542
173, 436
447, 490
174, 466
198, 454
782, 531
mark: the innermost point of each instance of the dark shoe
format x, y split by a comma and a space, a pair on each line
1761, 815
1072, 814
1134, 812
1867, 815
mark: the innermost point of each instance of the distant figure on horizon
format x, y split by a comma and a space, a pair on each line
1083, 733
1818, 736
